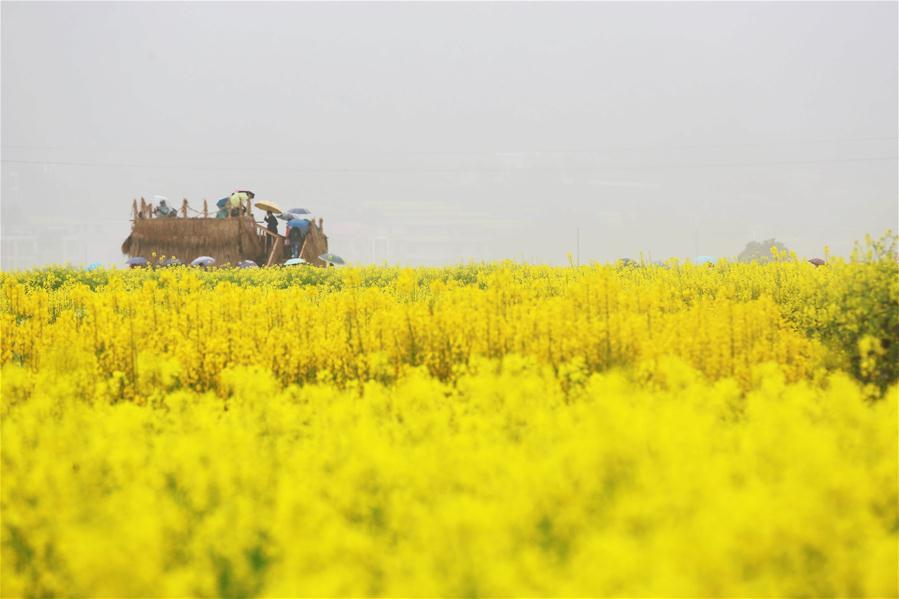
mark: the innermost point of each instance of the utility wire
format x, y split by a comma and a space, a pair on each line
401, 170
612, 148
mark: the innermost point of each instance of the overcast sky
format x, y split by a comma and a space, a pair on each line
438, 133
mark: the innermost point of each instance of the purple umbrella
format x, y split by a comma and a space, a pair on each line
817, 262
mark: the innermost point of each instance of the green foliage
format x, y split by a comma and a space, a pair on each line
756, 251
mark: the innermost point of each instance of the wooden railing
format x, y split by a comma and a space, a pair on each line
275, 241
146, 209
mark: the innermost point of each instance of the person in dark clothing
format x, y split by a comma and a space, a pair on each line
271, 222
296, 237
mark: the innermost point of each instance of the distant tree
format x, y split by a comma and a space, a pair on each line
760, 251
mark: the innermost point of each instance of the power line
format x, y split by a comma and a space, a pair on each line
611, 148
435, 170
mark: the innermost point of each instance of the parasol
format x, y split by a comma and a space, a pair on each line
269, 207
331, 258
203, 261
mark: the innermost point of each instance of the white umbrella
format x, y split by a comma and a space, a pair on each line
203, 261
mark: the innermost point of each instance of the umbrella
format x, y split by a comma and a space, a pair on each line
704, 260
136, 261
93, 266
247, 264
250, 194
269, 206
222, 203
299, 223
203, 261
286, 215
299, 211
817, 262
171, 262
331, 258
294, 262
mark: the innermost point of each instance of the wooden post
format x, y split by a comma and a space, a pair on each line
134, 208
143, 207
205, 209
303, 248
184, 207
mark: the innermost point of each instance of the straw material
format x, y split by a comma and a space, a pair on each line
316, 244
228, 240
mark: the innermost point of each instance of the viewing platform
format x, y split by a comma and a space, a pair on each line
186, 234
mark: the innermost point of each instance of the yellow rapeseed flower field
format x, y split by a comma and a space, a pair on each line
482, 430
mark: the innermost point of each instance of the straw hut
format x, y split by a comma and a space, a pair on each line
315, 245
228, 240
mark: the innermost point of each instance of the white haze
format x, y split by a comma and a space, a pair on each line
445, 132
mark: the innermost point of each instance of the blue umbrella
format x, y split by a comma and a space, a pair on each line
203, 261
302, 225
331, 258
247, 264
294, 262
298, 211
136, 261
171, 262
93, 266
704, 260
222, 203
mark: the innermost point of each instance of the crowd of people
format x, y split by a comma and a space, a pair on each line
237, 204
295, 230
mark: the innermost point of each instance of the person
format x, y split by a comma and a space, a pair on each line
165, 210
235, 201
271, 221
295, 236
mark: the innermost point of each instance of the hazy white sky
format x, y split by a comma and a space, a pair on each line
434, 133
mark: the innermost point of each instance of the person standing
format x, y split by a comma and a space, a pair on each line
296, 237
271, 222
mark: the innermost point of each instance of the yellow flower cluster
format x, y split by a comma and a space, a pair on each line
482, 430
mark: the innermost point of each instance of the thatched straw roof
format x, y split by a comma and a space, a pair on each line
316, 244
228, 240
